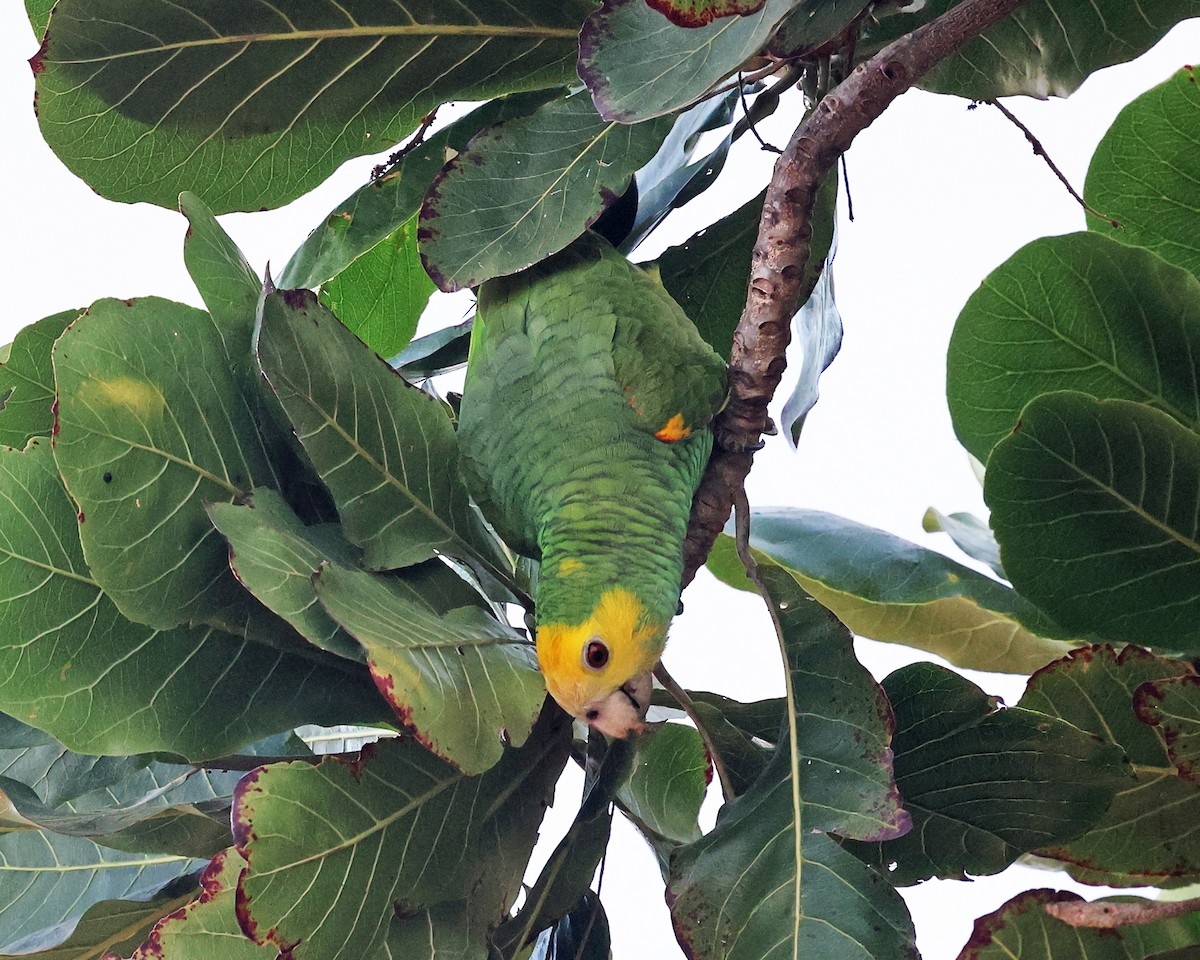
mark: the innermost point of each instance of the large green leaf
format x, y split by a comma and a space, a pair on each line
1148, 835
152, 422
1076, 312
525, 188
109, 928
1096, 505
72, 665
462, 929
1022, 930
27, 381
1145, 173
768, 880
385, 449
207, 927
886, 588
459, 682
733, 893
1045, 48
638, 65
47, 881
985, 784
382, 294
253, 105
375, 210
665, 785
330, 847
811, 25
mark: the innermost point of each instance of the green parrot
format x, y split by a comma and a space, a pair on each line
583, 434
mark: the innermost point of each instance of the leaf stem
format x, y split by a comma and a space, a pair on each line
689, 707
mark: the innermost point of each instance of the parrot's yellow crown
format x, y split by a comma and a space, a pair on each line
630, 647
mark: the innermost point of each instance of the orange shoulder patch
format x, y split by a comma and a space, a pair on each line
674, 429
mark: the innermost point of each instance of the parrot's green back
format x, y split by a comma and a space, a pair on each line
576, 364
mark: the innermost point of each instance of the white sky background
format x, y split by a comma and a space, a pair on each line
942, 196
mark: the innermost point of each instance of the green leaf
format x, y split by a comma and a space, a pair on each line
843, 723
459, 682
768, 879
109, 928
48, 881
733, 892
39, 15
227, 283
378, 208
382, 294
700, 13
984, 784
275, 556
525, 188
1173, 705
462, 929
1023, 930
665, 785
970, 534
889, 589
1148, 835
812, 25
436, 352
385, 449
1076, 312
1096, 505
567, 875
144, 439
1145, 172
708, 274
207, 927
1045, 48
27, 381
72, 665
315, 837
252, 106
637, 66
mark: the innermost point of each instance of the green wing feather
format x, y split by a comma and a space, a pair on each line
575, 364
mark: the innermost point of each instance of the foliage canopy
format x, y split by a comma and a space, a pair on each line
218, 526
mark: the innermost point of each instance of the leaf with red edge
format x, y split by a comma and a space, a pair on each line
1173, 705
330, 848
1023, 930
1148, 835
700, 13
207, 928
458, 681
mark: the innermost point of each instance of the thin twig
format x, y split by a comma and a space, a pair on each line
381, 171
689, 707
1040, 151
765, 102
1109, 916
846, 185
779, 282
753, 129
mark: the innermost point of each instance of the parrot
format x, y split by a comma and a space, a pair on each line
584, 429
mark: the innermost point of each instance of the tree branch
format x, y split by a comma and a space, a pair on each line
1109, 916
777, 287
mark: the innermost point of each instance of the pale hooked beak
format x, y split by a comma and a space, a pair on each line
623, 711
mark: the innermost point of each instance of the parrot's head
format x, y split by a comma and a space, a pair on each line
599, 670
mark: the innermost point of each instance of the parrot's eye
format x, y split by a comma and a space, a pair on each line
595, 655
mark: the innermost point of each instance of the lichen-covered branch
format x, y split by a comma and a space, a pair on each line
777, 274
1110, 916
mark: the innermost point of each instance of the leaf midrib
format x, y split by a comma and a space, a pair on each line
410, 30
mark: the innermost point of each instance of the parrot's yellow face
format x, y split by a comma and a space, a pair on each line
599, 670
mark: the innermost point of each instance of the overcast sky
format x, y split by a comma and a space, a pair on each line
942, 195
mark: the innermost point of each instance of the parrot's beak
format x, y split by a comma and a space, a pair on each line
622, 712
